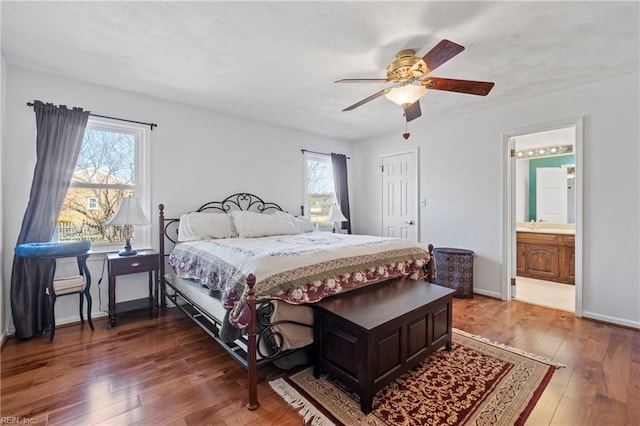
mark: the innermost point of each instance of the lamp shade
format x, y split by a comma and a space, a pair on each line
335, 214
406, 95
129, 213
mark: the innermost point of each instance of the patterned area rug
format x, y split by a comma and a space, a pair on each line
478, 382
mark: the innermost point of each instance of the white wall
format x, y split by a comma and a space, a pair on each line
461, 177
197, 156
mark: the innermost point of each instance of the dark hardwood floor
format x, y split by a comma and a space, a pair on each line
167, 371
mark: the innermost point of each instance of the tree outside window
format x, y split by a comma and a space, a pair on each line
105, 172
320, 190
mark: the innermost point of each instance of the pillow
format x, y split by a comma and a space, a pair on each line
204, 226
304, 223
251, 225
300, 221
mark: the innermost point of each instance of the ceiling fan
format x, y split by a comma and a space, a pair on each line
409, 75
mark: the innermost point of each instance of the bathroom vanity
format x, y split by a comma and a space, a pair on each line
546, 252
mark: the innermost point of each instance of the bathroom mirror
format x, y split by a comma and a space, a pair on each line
545, 177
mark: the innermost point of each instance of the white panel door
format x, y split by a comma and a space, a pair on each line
400, 196
551, 194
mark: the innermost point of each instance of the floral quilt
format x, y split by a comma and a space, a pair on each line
302, 268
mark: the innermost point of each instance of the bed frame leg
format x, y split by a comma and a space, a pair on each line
160, 298
252, 360
431, 266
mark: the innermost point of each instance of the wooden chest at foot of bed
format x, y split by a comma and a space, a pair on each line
367, 338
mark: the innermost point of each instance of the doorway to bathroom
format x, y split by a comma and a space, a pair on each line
543, 225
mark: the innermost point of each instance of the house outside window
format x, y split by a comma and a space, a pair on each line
113, 163
319, 190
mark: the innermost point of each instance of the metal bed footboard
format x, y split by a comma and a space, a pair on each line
266, 336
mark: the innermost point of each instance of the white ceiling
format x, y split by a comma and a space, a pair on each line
276, 61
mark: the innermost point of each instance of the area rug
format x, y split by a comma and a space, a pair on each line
478, 382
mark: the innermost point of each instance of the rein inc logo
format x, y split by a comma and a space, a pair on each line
12, 420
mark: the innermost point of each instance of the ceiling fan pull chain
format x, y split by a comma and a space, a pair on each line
406, 133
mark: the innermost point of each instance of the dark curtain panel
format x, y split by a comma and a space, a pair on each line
339, 165
58, 141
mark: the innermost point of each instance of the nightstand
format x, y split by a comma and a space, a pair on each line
143, 261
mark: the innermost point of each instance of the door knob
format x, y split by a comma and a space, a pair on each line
410, 222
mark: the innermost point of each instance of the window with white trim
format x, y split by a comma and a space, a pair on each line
92, 203
319, 190
113, 163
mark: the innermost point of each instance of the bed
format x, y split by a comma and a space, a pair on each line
247, 273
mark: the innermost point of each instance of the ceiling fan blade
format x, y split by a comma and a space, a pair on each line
441, 53
480, 88
362, 80
370, 98
412, 111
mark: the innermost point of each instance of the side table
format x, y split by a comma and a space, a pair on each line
143, 261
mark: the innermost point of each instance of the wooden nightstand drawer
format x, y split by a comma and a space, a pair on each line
142, 262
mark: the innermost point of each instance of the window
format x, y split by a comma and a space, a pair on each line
319, 190
113, 163
92, 203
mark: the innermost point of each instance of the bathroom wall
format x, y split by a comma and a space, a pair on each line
535, 163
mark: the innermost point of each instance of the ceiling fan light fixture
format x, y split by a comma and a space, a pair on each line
406, 95
407, 74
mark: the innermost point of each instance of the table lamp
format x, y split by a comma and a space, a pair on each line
336, 216
129, 213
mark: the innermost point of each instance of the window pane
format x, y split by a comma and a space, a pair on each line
319, 205
107, 164
92, 203
320, 177
78, 222
109, 167
106, 157
320, 191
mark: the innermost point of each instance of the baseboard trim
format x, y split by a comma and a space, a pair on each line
493, 294
605, 319
68, 322
591, 316
3, 340
76, 319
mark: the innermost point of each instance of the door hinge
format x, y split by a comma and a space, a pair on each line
513, 281
512, 153
382, 168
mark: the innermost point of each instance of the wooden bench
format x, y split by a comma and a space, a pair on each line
368, 337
